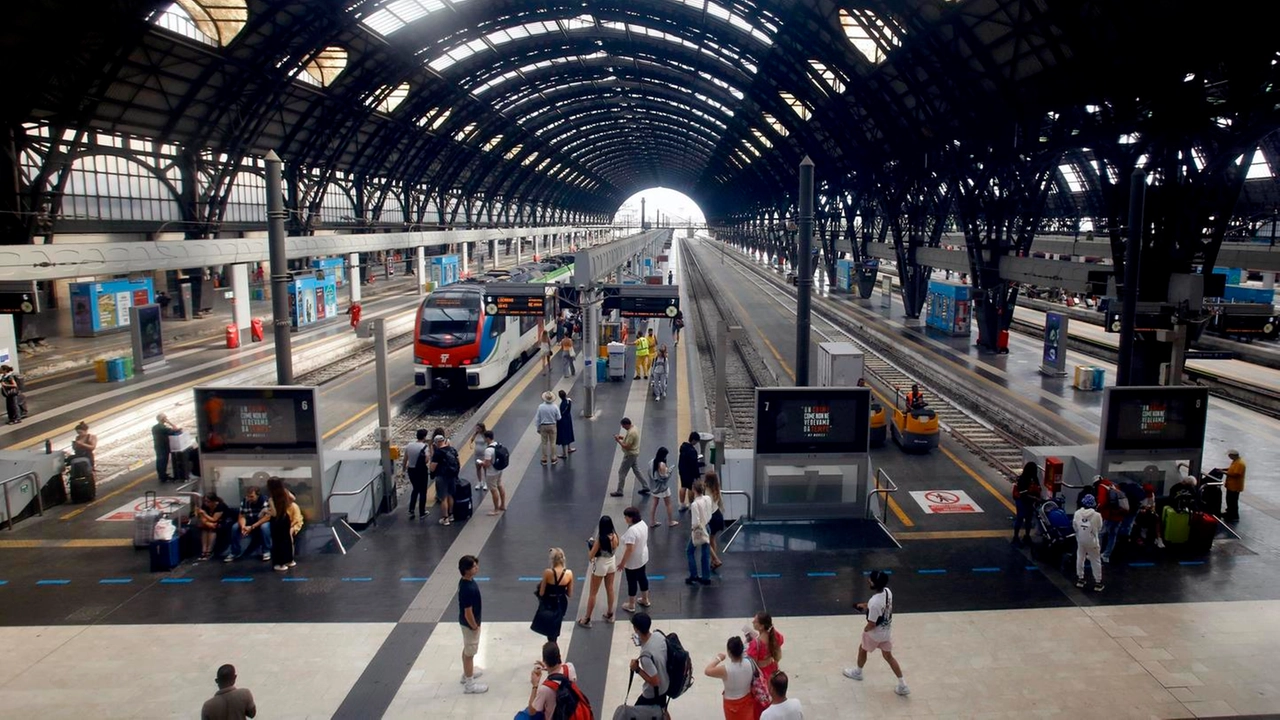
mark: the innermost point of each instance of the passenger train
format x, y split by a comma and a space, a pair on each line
461, 347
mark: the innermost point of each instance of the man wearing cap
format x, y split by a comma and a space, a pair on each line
444, 468
160, 434
1234, 485
546, 418
1087, 524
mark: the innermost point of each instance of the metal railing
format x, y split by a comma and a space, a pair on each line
328, 512
745, 494
883, 487
35, 484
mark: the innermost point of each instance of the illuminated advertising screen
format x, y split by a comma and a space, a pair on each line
257, 420
1154, 418
810, 421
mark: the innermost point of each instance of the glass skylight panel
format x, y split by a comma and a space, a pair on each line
1197, 157
392, 99
1072, 177
773, 123
462, 134
513, 152
866, 31
827, 76
1258, 169
529, 158
494, 142
440, 119
760, 138
794, 103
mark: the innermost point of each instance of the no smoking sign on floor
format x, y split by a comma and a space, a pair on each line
945, 502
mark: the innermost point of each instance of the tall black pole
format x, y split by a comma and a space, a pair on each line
804, 270
1132, 266
279, 269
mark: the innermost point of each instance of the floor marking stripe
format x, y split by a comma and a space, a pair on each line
1032, 567
899, 512
1190, 562
1142, 564
235, 579
413, 579
481, 579
657, 577
527, 578
952, 535
115, 581
978, 478
766, 575
821, 574
933, 571
886, 572
176, 581
987, 569
357, 579
296, 579
53, 582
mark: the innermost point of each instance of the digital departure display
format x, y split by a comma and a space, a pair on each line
812, 420
1154, 418
518, 305
256, 420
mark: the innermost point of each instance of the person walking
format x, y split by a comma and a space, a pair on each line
444, 467
604, 569
642, 357
160, 434
1026, 489
1234, 485
544, 349
416, 461
736, 672
286, 523
629, 440
546, 417
671, 278
478, 444
1088, 526
230, 702
781, 707
660, 482
658, 373
764, 644
876, 634
651, 666
687, 467
554, 591
496, 459
469, 612
567, 354
698, 549
651, 342
677, 324
564, 426
635, 559
712, 481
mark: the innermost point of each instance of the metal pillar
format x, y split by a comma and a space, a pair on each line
518, 243
1132, 266
240, 311
641, 214
466, 260
354, 277
420, 268
493, 253
378, 329
804, 273
278, 258
590, 347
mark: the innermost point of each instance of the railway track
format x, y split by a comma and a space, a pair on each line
744, 369
895, 368
358, 359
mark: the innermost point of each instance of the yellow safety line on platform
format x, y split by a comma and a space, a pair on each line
952, 535
998, 495
151, 475
684, 388
898, 511
81, 543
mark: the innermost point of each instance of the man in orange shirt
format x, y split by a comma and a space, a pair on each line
1234, 485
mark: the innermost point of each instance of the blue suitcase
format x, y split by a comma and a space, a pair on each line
165, 554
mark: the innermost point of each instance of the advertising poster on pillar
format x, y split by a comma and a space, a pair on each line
1159, 418
256, 420
151, 331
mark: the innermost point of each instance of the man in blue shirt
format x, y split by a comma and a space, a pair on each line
469, 608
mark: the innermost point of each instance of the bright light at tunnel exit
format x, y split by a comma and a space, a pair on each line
677, 208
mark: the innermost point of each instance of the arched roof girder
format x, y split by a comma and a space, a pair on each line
691, 143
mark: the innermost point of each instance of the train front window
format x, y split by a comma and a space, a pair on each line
449, 320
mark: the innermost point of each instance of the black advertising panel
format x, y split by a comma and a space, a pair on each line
149, 328
1154, 418
19, 303
516, 299
567, 295
811, 421
271, 420
640, 301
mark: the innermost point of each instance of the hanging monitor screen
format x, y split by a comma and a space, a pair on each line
812, 420
257, 420
1154, 418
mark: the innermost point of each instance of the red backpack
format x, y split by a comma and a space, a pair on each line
571, 704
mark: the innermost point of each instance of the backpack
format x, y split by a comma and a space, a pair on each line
448, 465
1116, 499
571, 704
501, 456
679, 667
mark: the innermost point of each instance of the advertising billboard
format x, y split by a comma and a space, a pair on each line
265, 420
1154, 419
807, 421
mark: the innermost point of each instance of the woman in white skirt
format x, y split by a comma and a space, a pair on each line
603, 568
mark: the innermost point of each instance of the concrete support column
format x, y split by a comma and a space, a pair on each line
466, 260
420, 267
518, 241
240, 311
493, 253
354, 277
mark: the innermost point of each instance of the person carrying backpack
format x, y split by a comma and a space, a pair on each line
651, 666
1087, 524
1114, 506
444, 468
555, 694
496, 459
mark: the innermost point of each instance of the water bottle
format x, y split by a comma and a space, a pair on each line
48, 447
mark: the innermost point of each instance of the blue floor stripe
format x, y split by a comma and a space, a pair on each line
886, 572
413, 579
1142, 564
987, 569
1190, 562
53, 582
657, 577
766, 575
528, 578
176, 581
1032, 567
821, 574
4, 582
237, 579
933, 571
362, 579
481, 579
296, 579
115, 581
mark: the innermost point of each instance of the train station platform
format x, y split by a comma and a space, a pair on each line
371, 633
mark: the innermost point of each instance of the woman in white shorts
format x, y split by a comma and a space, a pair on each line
604, 567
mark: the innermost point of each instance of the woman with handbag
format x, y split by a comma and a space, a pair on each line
286, 523
698, 550
660, 484
553, 593
716, 526
604, 568
741, 679
764, 644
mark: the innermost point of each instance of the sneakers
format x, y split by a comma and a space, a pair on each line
411, 515
853, 673
281, 568
475, 688
478, 672
484, 488
1099, 587
1160, 543
902, 689
1080, 583
266, 557
229, 558
1106, 558
292, 564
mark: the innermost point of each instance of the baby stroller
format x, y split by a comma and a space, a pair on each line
1054, 526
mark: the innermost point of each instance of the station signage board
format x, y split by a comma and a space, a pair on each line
516, 299
257, 420
642, 301
807, 421
1155, 419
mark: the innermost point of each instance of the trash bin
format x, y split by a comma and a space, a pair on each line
233, 337
115, 370
100, 370
255, 329
602, 370
128, 366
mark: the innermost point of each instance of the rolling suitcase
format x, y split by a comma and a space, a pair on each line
1177, 526
1204, 528
165, 554
1211, 499
144, 520
462, 502
83, 487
